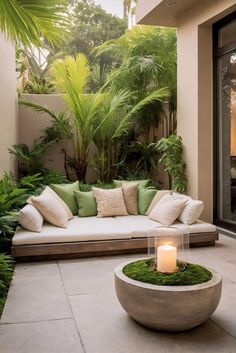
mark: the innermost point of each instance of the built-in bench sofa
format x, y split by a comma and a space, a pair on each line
93, 236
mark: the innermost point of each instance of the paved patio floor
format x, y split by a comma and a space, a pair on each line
71, 307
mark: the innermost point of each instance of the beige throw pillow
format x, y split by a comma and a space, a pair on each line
167, 210
130, 192
30, 218
156, 199
110, 202
51, 209
49, 191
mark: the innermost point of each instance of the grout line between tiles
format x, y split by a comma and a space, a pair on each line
67, 297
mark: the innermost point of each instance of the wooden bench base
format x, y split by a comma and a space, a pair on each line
96, 248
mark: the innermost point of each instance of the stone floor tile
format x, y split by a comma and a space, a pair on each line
89, 268
34, 299
59, 336
89, 285
225, 315
37, 269
105, 327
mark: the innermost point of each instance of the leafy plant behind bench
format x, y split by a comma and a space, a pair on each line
171, 149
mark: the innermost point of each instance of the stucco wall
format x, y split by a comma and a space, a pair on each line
195, 95
32, 123
8, 116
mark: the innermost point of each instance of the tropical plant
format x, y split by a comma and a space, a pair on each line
114, 124
171, 149
60, 130
100, 118
145, 60
141, 159
30, 159
38, 85
13, 196
29, 21
6, 273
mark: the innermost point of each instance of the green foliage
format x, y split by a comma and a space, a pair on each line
145, 60
101, 118
92, 26
171, 149
144, 271
141, 159
39, 85
27, 21
31, 160
6, 273
13, 196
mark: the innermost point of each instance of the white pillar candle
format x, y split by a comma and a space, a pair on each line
166, 258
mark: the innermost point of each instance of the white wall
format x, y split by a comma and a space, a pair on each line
8, 116
195, 95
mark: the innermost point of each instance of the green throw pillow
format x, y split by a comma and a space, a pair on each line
142, 183
86, 203
66, 193
145, 197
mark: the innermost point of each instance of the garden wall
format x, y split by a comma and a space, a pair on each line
32, 123
8, 116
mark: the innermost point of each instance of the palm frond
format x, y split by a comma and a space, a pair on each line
27, 21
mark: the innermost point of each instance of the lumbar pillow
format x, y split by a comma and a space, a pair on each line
66, 193
145, 197
156, 199
51, 209
130, 192
191, 211
110, 202
30, 218
168, 209
142, 183
86, 203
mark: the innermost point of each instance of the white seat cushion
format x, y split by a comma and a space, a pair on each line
140, 226
79, 229
93, 228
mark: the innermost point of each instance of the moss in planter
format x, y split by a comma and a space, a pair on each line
143, 271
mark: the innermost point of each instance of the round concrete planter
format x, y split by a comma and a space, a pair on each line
168, 308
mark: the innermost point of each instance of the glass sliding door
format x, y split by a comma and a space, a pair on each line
225, 70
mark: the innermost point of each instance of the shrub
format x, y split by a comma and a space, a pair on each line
6, 272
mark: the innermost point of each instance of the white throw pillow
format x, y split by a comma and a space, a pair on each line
51, 209
110, 202
191, 211
167, 210
49, 191
30, 218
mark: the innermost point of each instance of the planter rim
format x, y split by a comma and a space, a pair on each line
216, 278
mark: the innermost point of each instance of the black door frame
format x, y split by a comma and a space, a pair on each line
217, 52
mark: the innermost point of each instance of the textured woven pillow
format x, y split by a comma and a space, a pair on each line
30, 218
110, 202
51, 209
130, 192
156, 199
168, 209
